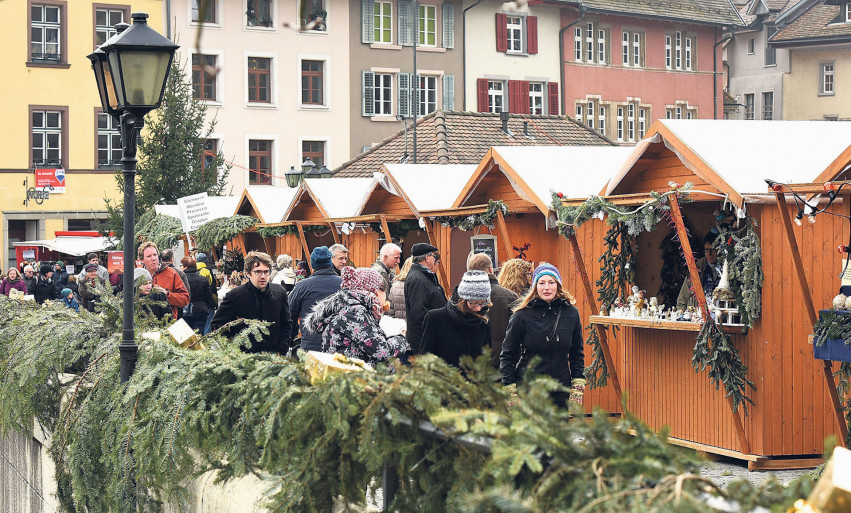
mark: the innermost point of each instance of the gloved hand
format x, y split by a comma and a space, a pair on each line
577, 390
511, 390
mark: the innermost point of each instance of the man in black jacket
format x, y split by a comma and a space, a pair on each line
422, 291
322, 283
44, 288
258, 299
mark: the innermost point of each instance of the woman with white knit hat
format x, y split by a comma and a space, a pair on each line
461, 328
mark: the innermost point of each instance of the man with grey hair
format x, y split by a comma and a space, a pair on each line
29, 278
422, 291
388, 260
339, 257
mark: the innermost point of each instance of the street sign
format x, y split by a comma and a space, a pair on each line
194, 211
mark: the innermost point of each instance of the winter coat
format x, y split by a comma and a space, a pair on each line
8, 285
71, 303
44, 290
685, 297
422, 293
207, 275
248, 302
562, 357
305, 295
397, 300
502, 300
88, 293
177, 296
347, 325
285, 278
30, 283
199, 294
450, 334
386, 274
101, 272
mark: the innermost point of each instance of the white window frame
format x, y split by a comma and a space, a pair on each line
274, 14
679, 112
642, 121
303, 31
276, 168
689, 50
579, 108
110, 132
764, 94
217, 24
376, 15
625, 51
619, 119
438, 96
678, 50
320, 138
44, 26
601, 119
636, 49
630, 122
394, 76
589, 43
492, 95
590, 119
326, 79
848, 12
752, 114
668, 52
423, 19
536, 95
751, 48
220, 64
273, 79
601, 46
108, 29
828, 78
46, 131
577, 44
220, 137
517, 30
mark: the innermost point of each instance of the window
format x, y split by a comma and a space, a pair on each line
204, 11
259, 162
631, 49
770, 51
577, 44
428, 26
688, 53
749, 104
428, 95
105, 21
848, 12
259, 80
620, 123
495, 96
383, 22
46, 34
643, 115
591, 44
826, 78
601, 125
579, 112
315, 150
630, 121
258, 13
681, 110
109, 141
312, 82
668, 52
601, 46
46, 137
680, 51
204, 77
515, 34
317, 15
590, 109
751, 46
210, 152
536, 98
383, 94
768, 105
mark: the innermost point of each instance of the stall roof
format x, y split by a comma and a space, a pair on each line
335, 197
736, 156
535, 171
220, 206
428, 186
77, 246
270, 202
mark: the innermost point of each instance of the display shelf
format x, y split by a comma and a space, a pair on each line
659, 325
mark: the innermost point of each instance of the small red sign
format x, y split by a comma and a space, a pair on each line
51, 178
115, 261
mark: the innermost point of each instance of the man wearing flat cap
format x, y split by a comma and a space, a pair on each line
422, 291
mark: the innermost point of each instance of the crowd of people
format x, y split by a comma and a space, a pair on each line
372, 313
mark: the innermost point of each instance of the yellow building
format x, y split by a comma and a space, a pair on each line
51, 117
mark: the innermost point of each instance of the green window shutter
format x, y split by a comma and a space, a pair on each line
405, 95
406, 23
416, 92
368, 94
448, 92
448, 25
367, 21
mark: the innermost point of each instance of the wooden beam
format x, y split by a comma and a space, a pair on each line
369, 218
682, 233
592, 303
386, 229
304, 246
334, 232
503, 231
806, 293
814, 188
474, 209
636, 199
441, 274
711, 449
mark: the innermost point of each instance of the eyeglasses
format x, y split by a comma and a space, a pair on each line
481, 304
261, 273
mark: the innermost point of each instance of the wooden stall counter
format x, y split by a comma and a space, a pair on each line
661, 325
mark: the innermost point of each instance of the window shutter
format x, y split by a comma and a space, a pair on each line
448, 92
482, 86
405, 95
513, 94
367, 21
368, 93
406, 23
523, 97
416, 80
501, 32
552, 89
531, 34
448, 25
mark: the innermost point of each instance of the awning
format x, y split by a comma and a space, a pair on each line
76, 246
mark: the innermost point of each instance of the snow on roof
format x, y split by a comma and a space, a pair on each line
271, 201
339, 197
220, 206
77, 246
431, 186
576, 171
745, 153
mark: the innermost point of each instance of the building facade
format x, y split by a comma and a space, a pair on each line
269, 72
384, 89
53, 127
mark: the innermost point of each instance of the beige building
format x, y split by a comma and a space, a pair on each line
270, 73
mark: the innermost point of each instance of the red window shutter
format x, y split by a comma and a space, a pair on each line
501, 32
523, 97
482, 86
514, 105
553, 94
531, 34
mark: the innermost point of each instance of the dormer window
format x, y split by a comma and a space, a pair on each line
848, 12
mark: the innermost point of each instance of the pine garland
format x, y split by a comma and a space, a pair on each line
617, 264
714, 350
486, 218
164, 231
596, 374
831, 326
398, 229
743, 253
279, 231
219, 231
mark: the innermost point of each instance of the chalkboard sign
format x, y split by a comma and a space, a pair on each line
485, 244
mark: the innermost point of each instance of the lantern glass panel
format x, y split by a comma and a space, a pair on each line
142, 76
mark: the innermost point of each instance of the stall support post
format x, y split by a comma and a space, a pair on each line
304, 246
592, 303
827, 365
386, 229
503, 231
241, 239
441, 274
334, 232
682, 233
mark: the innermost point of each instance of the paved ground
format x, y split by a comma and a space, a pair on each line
724, 472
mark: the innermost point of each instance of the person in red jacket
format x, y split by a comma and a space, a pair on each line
166, 284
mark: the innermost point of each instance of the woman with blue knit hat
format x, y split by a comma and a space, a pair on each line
460, 328
545, 324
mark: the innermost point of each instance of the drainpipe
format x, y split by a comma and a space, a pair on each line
715, 69
415, 101
168, 19
464, 55
582, 11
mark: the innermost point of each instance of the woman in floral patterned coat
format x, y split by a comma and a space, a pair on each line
348, 319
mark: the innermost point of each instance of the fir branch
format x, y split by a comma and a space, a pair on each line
715, 351
218, 231
486, 218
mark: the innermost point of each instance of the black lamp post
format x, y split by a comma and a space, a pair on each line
131, 69
294, 177
307, 167
325, 172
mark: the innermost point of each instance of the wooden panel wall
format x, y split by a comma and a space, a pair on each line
382, 202
290, 245
307, 210
363, 247
495, 186
655, 169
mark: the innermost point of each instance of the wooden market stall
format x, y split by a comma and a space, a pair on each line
267, 203
727, 162
524, 179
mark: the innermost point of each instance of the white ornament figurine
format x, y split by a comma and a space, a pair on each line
839, 301
848, 303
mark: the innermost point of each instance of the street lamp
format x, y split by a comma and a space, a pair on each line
131, 69
325, 172
293, 177
307, 168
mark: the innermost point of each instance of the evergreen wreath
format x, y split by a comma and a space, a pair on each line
218, 231
164, 231
486, 218
279, 231
832, 326
743, 253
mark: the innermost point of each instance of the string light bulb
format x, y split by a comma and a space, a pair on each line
799, 216
829, 186
811, 219
842, 249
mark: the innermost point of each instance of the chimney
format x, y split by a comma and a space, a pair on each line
503, 116
526, 128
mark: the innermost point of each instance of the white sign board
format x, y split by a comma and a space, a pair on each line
194, 211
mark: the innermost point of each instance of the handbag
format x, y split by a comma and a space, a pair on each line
188, 310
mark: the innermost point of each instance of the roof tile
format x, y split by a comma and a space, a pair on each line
714, 12
816, 23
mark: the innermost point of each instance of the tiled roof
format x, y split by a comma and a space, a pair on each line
446, 137
775, 8
713, 12
815, 24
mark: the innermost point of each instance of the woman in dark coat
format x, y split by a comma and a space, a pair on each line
460, 328
200, 296
532, 331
